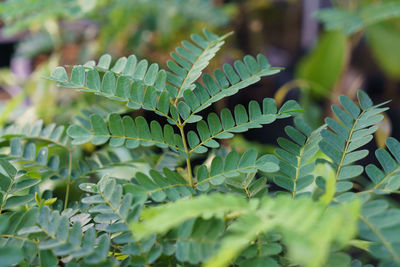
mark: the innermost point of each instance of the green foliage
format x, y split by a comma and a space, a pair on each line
254, 218
114, 18
385, 55
296, 157
19, 15
379, 20
344, 139
351, 21
131, 204
387, 178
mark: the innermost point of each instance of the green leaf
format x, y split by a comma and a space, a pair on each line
8, 168
59, 74
323, 66
93, 80
47, 258
18, 201
350, 171
364, 100
10, 255
382, 39
78, 76
351, 21
79, 134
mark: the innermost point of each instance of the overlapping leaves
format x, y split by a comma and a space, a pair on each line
227, 124
387, 179
282, 214
51, 133
380, 224
225, 83
34, 159
189, 61
51, 231
112, 209
234, 165
159, 187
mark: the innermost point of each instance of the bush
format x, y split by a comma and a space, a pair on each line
307, 204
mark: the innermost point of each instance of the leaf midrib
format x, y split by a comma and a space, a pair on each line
211, 45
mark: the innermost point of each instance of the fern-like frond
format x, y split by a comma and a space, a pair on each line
125, 131
381, 225
36, 131
104, 160
112, 209
134, 83
351, 21
189, 61
234, 165
48, 165
108, 203
248, 185
21, 15
226, 82
354, 129
387, 179
282, 214
201, 235
34, 159
15, 185
294, 156
12, 223
175, 213
55, 233
313, 236
159, 187
228, 123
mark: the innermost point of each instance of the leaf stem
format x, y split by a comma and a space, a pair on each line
69, 179
386, 243
188, 164
348, 141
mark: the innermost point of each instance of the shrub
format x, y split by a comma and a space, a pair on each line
307, 204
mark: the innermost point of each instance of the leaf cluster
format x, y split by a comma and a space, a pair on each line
309, 203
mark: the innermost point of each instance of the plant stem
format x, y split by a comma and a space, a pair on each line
348, 141
189, 166
69, 178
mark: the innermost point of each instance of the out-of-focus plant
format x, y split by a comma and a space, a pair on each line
378, 20
324, 73
142, 25
125, 24
65, 32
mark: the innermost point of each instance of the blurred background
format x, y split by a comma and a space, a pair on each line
327, 47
